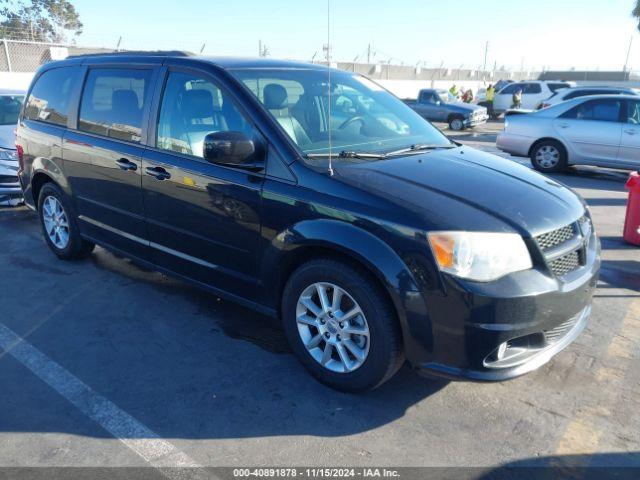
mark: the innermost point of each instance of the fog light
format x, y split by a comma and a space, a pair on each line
501, 350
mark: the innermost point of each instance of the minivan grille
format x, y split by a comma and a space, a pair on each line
556, 237
565, 264
552, 243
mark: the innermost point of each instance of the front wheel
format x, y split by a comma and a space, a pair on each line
549, 156
456, 124
341, 325
59, 225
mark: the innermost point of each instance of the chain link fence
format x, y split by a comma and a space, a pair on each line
25, 56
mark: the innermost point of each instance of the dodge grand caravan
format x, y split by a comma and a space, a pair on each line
315, 196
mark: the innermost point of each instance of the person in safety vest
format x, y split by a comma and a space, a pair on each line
491, 93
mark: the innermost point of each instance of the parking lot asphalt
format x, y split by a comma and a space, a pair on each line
103, 363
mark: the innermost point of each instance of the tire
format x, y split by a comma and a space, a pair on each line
549, 156
60, 225
381, 349
456, 124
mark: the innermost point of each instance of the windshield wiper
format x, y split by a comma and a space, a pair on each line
418, 147
347, 154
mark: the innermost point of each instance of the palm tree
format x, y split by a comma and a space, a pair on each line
636, 12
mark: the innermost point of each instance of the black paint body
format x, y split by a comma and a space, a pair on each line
240, 233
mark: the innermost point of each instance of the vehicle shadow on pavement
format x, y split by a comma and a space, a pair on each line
621, 274
601, 466
180, 361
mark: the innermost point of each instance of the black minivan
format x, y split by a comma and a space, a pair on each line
317, 196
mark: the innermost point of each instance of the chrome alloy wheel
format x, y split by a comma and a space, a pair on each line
332, 327
547, 156
56, 223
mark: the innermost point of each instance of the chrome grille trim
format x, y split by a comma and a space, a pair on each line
556, 333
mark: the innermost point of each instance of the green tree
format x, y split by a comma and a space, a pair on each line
39, 20
636, 12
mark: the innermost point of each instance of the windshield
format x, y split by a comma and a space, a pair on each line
10, 109
446, 96
364, 117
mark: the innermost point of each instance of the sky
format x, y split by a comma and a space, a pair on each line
560, 34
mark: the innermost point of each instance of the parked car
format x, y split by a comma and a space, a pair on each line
575, 92
375, 238
601, 130
439, 105
10, 104
533, 93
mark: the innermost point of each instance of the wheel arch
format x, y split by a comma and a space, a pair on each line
38, 180
547, 139
454, 115
335, 239
45, 170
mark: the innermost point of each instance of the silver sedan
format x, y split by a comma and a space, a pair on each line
601, 130
10, 104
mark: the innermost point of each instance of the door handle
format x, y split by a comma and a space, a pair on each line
158, 172
126, 165
631, 132
563, 125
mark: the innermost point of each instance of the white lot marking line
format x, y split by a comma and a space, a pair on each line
144, 442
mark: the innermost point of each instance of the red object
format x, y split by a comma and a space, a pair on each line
632, 220
20, 152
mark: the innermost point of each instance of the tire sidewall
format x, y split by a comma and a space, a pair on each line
375, 368
558, 167
75, 241
452, 123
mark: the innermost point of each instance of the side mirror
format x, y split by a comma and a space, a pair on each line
232, 148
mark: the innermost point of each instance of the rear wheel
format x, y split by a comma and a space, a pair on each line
549, 156
59, 225
341, 325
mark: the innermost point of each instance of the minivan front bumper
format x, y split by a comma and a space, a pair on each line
500, 330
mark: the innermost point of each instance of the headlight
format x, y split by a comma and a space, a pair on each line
479, 256
8, 154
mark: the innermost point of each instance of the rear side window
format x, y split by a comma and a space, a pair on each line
557, 86
49, 98
113, 102
584, 93
607, 110
510, 89
531, 88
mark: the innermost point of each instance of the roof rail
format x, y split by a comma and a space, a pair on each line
133, 53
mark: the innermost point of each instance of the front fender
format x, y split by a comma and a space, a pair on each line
360, 245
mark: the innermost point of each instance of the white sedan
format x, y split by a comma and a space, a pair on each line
601, 130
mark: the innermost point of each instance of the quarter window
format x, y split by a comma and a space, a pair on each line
596, 110
49, 98
633, 115
192, 107
113, 102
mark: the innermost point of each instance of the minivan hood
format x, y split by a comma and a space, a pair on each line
465, 189
7, 136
